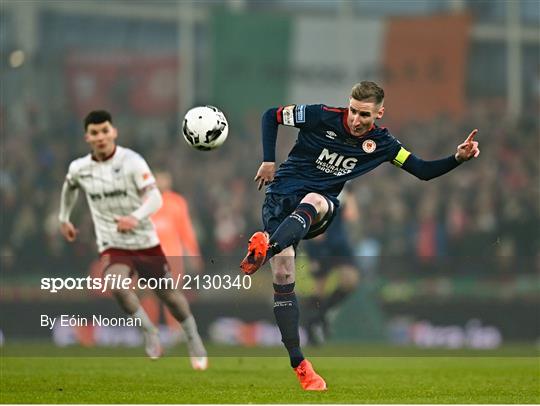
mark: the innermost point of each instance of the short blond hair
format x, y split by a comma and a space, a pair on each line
368, 91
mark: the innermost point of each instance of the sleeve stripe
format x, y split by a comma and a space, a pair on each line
401, 157
278, 115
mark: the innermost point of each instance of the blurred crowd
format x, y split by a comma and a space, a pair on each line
485, 213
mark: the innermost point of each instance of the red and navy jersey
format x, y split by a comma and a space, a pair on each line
326, 155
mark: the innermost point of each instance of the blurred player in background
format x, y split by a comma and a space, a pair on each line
177, 239
329, 253
122, 194
334, 145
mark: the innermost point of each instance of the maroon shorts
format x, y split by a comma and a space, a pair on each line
147, 263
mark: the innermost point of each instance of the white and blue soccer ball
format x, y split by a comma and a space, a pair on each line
205, 128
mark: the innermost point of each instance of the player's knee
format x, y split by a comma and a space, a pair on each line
317, 201
283, 274
283, 266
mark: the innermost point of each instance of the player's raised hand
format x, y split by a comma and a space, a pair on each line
468, 149
265, 174
126, 223
69, 231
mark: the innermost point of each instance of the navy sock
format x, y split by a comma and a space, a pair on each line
287, 317
293, 228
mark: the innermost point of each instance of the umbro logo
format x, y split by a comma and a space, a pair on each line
85, 175
330, 134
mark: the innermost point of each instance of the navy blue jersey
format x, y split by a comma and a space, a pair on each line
326, 155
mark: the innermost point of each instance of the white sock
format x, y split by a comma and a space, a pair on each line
190, 327
146, 324
194, 342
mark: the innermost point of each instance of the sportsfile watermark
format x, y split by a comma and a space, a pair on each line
398, 307
115, 282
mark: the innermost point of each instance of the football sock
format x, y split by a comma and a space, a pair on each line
287, 317
190, 327
146, 324
195, 344
292, 229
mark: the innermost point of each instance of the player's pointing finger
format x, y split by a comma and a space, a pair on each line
471, 136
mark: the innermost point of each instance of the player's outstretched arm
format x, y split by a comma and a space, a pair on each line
269, 128
427, 170
68, 198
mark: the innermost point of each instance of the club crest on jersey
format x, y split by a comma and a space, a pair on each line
369, 146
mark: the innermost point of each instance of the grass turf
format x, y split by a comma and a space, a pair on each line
80, 377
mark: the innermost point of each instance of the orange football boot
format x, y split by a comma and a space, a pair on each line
256, 256
309, 379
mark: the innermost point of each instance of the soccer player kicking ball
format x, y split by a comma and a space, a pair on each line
334, 145
122, 194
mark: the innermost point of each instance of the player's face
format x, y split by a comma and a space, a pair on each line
101, 138
362, 116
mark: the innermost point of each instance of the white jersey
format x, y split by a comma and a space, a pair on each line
113, 189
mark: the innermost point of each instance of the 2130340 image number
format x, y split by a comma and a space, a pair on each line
216, 282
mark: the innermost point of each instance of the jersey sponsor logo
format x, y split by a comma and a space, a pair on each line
115, 193
288, 115
300, 113
332, 162
369, 146
330, 134
112, 193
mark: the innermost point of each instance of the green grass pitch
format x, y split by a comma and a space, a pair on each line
76, 375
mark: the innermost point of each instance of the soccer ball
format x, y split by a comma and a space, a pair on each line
205, 128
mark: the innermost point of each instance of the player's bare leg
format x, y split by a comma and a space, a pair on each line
179, 308
287, 312
129, 302
283, 267
319, 202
